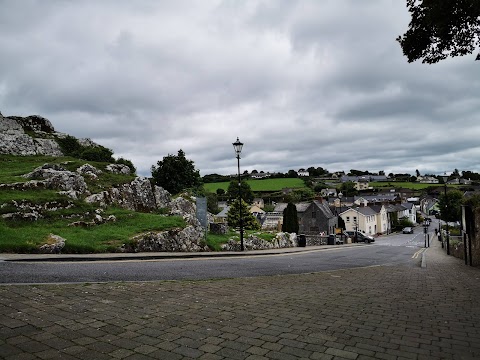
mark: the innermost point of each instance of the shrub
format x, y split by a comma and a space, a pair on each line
70, 146
97, 153
123, 161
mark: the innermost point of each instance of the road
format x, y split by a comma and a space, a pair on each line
395, 249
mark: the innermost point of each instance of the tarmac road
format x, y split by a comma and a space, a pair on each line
285, 261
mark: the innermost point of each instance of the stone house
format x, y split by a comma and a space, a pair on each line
314, 217
317, 218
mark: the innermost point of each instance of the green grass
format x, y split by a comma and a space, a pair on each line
26, 236
261, 185
406, 185
13, 167
215, 242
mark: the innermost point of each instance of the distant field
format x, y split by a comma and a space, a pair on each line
407, 185
261, 185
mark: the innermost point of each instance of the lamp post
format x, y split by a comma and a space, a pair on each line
340, 195
237, 145
445, 179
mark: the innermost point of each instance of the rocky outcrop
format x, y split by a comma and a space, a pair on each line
252, 242
31, 135
89, 170
56, 177
189, 239
118, 169
139, 195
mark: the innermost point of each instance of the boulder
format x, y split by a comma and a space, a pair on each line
54, 245
189, 239
162, 197
56, 177
218, 228
118, 169
87, 169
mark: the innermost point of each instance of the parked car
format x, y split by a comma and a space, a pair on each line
407, 230
361, 237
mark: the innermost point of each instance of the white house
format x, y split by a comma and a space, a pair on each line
303, 172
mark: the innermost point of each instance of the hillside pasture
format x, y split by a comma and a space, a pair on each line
261, 185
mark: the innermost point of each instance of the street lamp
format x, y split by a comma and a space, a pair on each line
340, 195
445, 179
237, 145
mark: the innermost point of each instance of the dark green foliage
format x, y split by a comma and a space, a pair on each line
233, 216
451, 205
440, 29
212, 178
319, 187
348, 188
232, 191
176, 173
70, 146
290, 219
212, 203
97, 153
123, 161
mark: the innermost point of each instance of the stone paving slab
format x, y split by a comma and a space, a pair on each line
385, 312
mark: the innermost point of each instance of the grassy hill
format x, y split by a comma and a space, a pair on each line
58, 211
261, 185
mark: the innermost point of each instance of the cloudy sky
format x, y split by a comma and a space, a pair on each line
301, 83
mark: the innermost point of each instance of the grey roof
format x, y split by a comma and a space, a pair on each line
301, 207
325, 208
376, 208
378, 197
224, 212
408, 205
366, 210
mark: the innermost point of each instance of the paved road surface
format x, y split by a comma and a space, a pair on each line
393, 311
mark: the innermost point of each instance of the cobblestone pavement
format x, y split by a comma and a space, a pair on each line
385, 312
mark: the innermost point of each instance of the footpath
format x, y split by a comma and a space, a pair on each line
385, 312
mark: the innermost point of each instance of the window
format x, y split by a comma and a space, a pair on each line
348, 218
314, 214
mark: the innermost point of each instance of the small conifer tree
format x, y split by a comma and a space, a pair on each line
233, 216
290, 219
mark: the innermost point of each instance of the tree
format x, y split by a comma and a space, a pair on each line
212, 203
176, 173
233, 216
290, 219
451, 205
348, 188
440, 29
291, 174
232, 191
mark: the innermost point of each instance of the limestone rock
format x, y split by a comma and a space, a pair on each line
190, 239
118, 169
54, 245
137, 195
87, 169
162, 197
56, 177
181, 206
252, 242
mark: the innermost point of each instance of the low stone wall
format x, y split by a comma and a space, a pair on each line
315, 240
